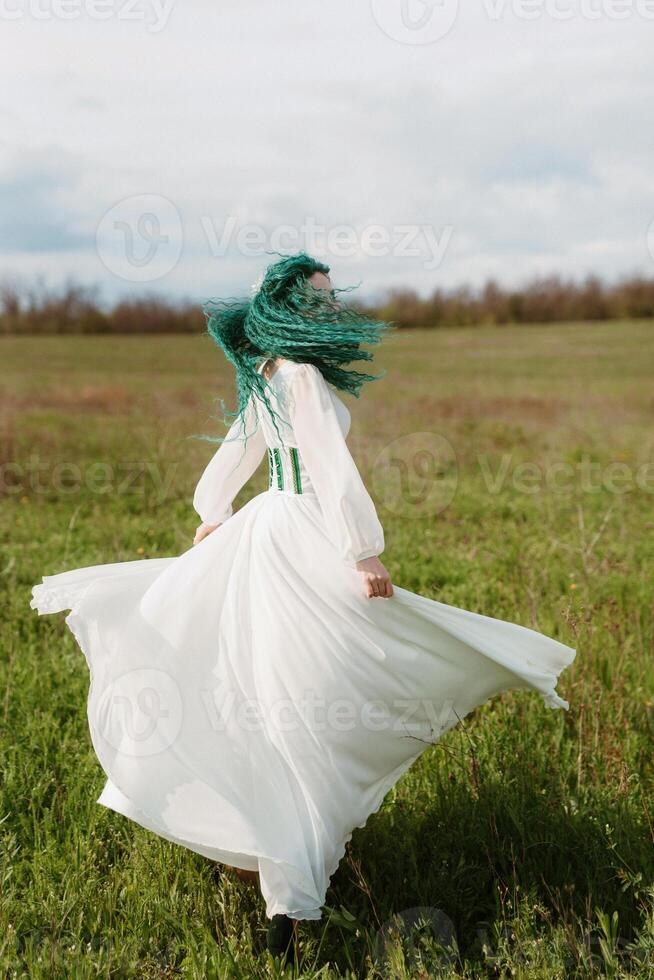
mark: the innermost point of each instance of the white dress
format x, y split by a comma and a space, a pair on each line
247, 700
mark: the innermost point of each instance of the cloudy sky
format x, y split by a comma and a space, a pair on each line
168, 145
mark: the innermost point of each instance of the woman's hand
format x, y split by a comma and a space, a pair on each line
376, 580
203, 531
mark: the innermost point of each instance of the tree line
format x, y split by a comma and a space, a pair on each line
77, 309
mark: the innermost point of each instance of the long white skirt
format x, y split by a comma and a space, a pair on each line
249, 702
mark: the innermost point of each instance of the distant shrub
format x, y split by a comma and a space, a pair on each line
77, 309
548, 300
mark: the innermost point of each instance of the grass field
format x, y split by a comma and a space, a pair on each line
530, 829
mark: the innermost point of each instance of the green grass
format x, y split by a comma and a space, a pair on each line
531, 829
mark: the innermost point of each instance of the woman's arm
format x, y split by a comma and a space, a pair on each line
230, 468
346, 504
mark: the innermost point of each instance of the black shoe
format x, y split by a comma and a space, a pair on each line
280, 935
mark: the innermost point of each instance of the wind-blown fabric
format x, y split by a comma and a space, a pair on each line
247, 700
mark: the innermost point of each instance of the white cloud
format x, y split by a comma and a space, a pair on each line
530, 140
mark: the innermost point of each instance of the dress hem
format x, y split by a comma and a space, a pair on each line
47, 599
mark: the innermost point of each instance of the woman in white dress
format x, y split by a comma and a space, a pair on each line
255, 698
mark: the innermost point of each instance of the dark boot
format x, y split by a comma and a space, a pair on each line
280, 935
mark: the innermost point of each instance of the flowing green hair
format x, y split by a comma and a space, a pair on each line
287, 317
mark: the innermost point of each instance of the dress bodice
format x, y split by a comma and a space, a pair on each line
287, 470
308, 460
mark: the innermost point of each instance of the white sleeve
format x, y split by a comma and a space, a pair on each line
230, 468
346, 505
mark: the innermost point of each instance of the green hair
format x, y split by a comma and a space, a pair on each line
288, 318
